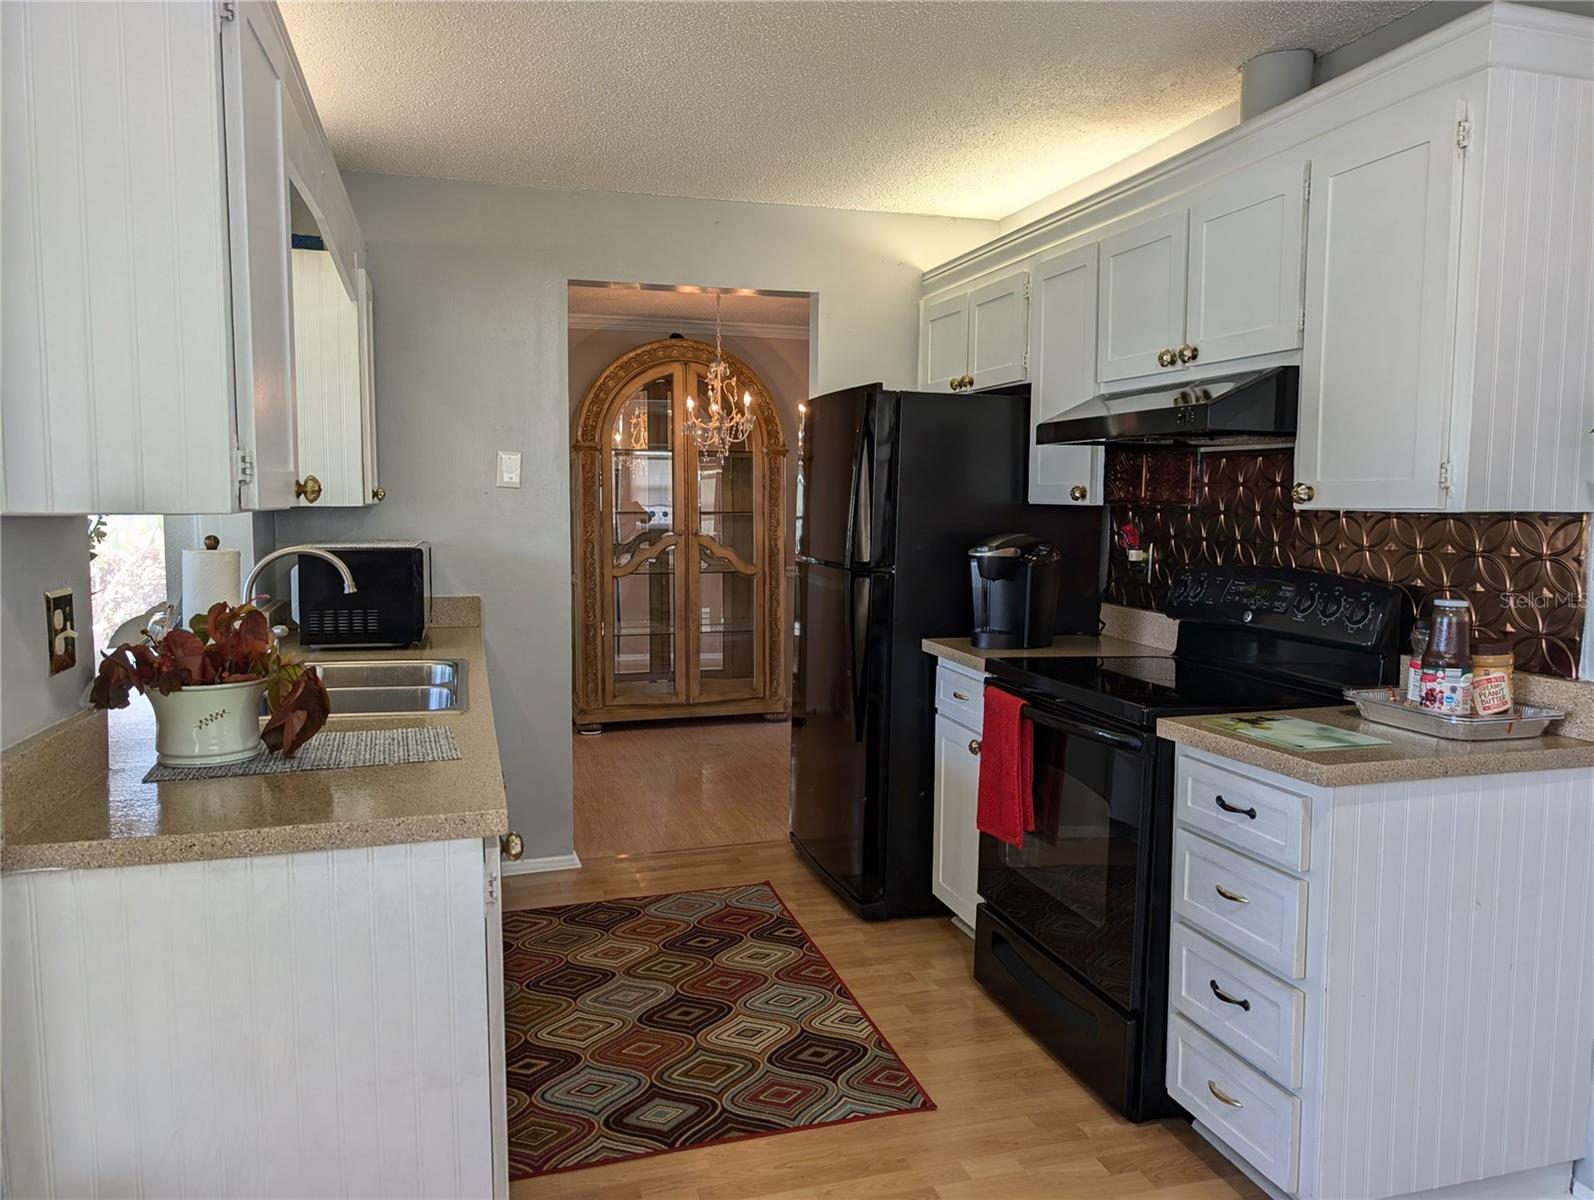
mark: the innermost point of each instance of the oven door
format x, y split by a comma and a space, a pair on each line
1079, 885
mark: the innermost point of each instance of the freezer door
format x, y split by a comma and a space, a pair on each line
839, 724
826, 481
874, 484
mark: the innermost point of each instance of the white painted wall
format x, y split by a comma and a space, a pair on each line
38, 554
471, 357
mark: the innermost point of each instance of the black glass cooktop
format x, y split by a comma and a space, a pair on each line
1139, 690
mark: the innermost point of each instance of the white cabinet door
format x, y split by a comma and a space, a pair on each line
999, 330
943, 341
1062, 340
326, 367
373, 480
1245, 265
1142, 296
253, 67
115, 374
957, 841
1376, 362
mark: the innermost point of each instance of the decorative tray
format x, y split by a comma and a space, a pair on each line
1384, 706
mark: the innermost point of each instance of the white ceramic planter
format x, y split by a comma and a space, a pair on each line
207, 726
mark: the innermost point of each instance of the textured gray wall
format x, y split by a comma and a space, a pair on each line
470, 296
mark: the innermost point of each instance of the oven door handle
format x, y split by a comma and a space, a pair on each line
1124, 741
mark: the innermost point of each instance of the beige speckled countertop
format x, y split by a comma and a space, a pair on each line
1406, 756
963, 652
114, 819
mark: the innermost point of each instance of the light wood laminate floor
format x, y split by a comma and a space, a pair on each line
1011, 1123
680, 785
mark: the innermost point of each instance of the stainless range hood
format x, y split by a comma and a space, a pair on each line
1254, 406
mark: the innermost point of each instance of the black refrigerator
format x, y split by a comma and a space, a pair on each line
893, 489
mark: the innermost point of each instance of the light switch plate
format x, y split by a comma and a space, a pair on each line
62, 629
509, 468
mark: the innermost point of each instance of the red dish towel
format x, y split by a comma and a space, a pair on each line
1006, 808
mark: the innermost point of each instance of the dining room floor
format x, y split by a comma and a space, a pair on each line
680, 785
1011, 1122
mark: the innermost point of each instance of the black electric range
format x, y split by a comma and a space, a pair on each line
1072, 931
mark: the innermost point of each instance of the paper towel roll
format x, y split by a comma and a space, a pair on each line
209, 576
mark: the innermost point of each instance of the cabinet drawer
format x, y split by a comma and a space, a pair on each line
1254, 909
1249, 1011
960, 695
1258, 1119
1243, 812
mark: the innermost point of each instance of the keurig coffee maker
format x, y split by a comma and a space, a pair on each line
1016, 578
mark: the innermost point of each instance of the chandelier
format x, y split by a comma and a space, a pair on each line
727, 421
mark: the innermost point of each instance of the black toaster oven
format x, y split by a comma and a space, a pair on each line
390, 607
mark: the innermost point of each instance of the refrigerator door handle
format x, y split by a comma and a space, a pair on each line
858, 614
860, 548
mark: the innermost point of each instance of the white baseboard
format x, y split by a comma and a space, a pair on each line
532, 866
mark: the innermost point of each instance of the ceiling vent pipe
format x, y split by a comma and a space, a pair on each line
1270, 79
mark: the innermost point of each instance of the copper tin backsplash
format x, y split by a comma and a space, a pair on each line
1523, 572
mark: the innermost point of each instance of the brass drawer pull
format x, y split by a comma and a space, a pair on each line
1222, 1096
1228, 895
1226, 998
1229, 808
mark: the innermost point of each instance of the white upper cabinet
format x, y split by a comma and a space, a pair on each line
976, 337
1376, 367
373, 481
1142, 297
1417, 235
944, 342
256, 107
327, 373
1062, 338
998, 330
1245, 266
145, 171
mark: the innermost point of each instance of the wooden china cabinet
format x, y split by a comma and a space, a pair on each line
679, 552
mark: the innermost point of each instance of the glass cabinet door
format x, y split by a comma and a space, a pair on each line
645, 551
726, 563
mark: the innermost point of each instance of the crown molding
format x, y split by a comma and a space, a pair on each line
691, 327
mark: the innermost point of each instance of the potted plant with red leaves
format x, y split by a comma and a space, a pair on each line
206, 682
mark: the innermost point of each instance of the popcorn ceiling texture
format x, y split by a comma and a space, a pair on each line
959, 109
1523, 572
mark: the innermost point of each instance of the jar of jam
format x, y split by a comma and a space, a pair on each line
1447, 661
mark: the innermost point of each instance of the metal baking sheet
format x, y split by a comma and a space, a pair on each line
1384, 706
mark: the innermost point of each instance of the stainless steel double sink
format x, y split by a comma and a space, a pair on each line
390, 687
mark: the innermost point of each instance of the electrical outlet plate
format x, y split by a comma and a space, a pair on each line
509, 468
61, 629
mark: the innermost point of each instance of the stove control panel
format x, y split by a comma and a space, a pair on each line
1307, 604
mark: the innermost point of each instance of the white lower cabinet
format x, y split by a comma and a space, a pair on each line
311, 1024
1408, 1014
956, 841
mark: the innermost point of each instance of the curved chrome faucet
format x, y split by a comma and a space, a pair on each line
313, 552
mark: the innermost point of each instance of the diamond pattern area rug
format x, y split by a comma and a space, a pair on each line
660, 1023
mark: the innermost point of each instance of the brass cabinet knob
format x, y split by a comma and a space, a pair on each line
512, 846
379, 494
974, 745
1167, 358
1302, 493
1188, 353
1077, 493
956, 383
307, 489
